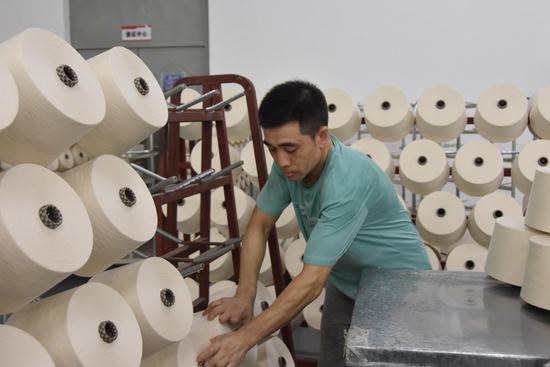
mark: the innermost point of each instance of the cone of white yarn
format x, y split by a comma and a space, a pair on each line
478, 168
539, 201
184, 353
244, 205
441, 113
441, 218
91, 325
196, 157
79, 155
378, 152
136, 107
536, 285
287, 224
534, 155
501, 114
188, 214
388, 114
45, 234
313, 312
433, 257
344, 118
9, 99
120, 206
60, 98
467, 257
539, 116
65, 161
249, 162
190, 130
274, 353
490, 207
294, 257
236, 116
159, 297
423, 167
508, 250
20, 349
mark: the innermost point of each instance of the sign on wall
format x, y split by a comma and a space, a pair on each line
140, 32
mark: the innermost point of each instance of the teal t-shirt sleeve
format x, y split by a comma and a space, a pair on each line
334, 233
274, 197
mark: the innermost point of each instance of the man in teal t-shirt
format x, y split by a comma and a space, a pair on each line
348, 212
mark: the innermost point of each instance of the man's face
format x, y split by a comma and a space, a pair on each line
295, 153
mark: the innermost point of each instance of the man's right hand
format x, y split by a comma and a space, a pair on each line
233, 310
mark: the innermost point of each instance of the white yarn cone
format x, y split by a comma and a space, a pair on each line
534, 155
501, 113
120, 206
441, 219
344, 118
478, 168
91, 325
9, 100
536, 287
20, 349
508, 250
136, 107
159, 297
481, 220
378, 152
388, 114
441, 113
60, 98
45, 234
423, 167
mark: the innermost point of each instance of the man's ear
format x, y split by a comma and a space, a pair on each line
323, 135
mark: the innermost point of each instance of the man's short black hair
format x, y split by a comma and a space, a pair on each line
294, 101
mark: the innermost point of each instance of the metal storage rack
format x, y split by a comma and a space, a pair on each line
174, 166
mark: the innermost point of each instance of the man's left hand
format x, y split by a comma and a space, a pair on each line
226, 350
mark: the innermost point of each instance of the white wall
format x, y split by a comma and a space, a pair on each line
361, 44
17, 15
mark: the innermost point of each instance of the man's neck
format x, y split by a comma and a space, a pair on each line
314, 175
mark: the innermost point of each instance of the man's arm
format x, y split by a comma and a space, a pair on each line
252, 253
301, 291
230, 349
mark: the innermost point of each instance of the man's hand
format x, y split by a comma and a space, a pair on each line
234, 310
226, 350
